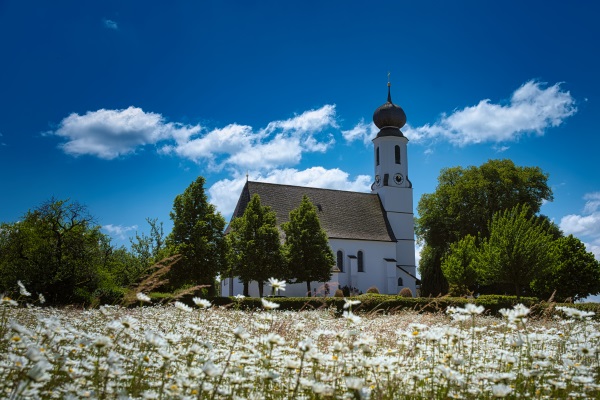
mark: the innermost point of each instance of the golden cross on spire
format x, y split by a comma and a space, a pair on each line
389, 79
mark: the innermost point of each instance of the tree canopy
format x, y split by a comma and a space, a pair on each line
464, 202
255, 247
306, 247
198, 236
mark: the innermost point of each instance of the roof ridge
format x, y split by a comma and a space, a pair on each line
311, 187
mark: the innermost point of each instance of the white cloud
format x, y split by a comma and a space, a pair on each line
225, 193
586, 225
112, 133
119, 230
532, 109
361, 131
110, 24
500, 149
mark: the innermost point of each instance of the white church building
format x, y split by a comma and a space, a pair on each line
371, 234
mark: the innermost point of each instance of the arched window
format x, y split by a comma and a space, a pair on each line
400, 282
397, 152
340, 260
361, 263
377, 155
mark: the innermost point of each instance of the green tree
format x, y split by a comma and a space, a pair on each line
146, 250
463, 204
255, 246
56, 250
198, 236
575, 274
517, 250
460, 265
306, 247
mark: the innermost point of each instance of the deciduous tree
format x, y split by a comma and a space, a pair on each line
255, 246
306, 247
198, 236
463, 204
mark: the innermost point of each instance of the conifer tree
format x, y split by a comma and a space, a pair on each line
255, 247
198, 236
306, 247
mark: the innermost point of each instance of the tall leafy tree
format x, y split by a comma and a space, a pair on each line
306, 247
56, 250
255, 246
464, 202
198, 236
460, 265
518, 249
575, 274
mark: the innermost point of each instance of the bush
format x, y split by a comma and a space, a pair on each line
405, 292
373, 289
338, 293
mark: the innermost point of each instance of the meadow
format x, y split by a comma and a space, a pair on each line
206, 352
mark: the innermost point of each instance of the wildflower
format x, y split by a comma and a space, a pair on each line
210, 369
305, 345
202, 303
142, 297
241, 333
239, 297
8, 300
354, 383
575, 313
183, 307
501, 390
269, 305
41, 298
351, 317
273, 339
23, 290
277, 284
472, 309
102, 342
350, 303
38, 372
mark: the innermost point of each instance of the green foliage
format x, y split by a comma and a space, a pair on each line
464, 202
255, 248
517, 251
460, 265
56, 250
306, 246
373, 289
147, 250
574, 275
198, 236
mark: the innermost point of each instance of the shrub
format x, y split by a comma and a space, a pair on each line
338, 293
373, 289
405, 292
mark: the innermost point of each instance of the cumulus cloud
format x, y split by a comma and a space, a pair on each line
280, 143
110, 24
225, 193
112, 133
586, 225
109, 134
362, 131
119, 231
532, 109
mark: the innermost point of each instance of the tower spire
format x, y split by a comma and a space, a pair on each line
389, 90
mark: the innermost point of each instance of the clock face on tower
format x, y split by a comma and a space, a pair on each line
398, 178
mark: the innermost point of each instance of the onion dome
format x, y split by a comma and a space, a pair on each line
389, 114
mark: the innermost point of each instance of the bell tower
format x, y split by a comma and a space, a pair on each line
391, 180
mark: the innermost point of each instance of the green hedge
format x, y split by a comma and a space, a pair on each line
385, 304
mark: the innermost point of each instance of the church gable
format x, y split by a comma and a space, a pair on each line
343, 215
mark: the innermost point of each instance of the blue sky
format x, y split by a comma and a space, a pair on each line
120, 105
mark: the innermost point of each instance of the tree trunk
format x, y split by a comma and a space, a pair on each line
308, 290
261, 286
246, 289
518, 290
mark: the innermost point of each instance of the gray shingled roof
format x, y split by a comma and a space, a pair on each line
343, 215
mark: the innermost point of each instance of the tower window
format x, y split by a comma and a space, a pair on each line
397, 153
340, 260
400, 282
377, 155
361, 263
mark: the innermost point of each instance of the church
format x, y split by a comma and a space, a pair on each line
371, 234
